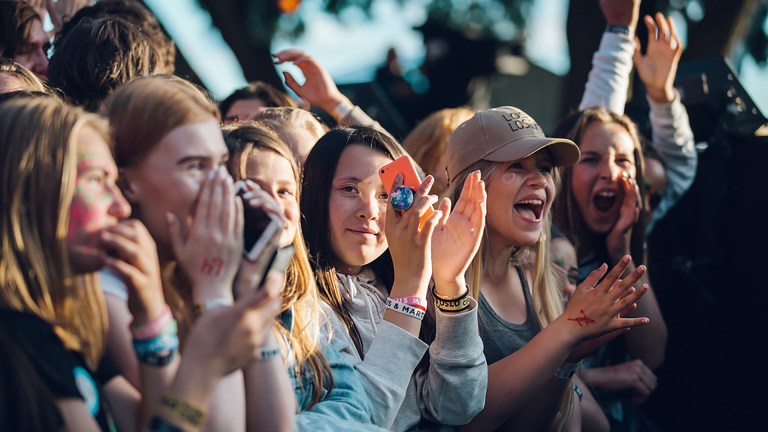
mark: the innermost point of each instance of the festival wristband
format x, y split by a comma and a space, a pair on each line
183, 410
618, 29
453, 304
342, 110
448, 298
417, 302
405, 309
153, 328
567, 370
202, 307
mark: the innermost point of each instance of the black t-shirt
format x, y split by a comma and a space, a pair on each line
63, 372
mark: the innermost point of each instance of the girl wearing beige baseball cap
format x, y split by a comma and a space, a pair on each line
533, 346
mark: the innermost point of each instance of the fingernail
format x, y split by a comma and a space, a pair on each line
626, 258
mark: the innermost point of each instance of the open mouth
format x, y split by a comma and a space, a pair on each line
604, 201
530, 208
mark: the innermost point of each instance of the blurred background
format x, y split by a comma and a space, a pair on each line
403, 59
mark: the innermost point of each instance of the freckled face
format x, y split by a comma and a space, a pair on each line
274, 174
170, 177
357, 208
97, 204
520, 195
607, 151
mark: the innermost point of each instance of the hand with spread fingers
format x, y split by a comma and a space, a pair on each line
318, 89
211, 250
457, 237
598, 309
658, 67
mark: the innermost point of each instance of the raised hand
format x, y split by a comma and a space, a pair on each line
318, 89
62, 11
657, 68
211, 252
409, 244
619, 237
134, 260
457, 236
621, 12
595, 309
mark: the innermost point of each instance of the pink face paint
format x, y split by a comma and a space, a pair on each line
508, 178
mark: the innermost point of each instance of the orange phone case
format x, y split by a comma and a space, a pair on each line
402, 165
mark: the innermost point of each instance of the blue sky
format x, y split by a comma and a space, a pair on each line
365, 43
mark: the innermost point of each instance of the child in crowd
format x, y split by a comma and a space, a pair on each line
371, 258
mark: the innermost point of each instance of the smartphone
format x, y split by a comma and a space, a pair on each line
259, 228
411, 178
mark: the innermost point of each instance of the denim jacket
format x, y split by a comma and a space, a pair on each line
344, 407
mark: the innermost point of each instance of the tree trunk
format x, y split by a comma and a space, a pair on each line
255, 56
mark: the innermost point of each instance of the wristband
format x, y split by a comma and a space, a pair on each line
268, 353
578, 392
153, 328
183, 410
159, 424
157, 360
165, 342
204, 306
417, 302
451, 304
342, 109
617, 29
405, 309
567, 370
449, 298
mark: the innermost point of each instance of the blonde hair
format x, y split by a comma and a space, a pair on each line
426, 143
546, 292
140, 114
283, 120
28, 80
299, 291
38, 183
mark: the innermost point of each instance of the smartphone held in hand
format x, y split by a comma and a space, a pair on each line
260, 229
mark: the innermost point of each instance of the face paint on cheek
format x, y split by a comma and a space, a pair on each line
81, 217
508, 178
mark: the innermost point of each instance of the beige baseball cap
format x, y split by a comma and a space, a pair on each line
503, 134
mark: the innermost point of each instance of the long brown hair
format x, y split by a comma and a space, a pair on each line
37, 186
319, 169
299, 291
140, 114
565, 212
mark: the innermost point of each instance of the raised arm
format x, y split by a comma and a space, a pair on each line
672, 135
321, 91
608, 80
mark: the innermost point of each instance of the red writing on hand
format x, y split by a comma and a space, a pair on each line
583, 319
212, 266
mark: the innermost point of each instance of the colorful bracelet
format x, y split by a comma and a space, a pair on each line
183, 410
159, 424
157, 360
164, 342
567, 370
578, 392
153, 328
618, 29
405, 309
417, 302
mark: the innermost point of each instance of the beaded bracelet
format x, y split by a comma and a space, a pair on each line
405, 309
183, 410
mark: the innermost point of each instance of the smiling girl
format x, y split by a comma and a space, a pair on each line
531, 345
367, 257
